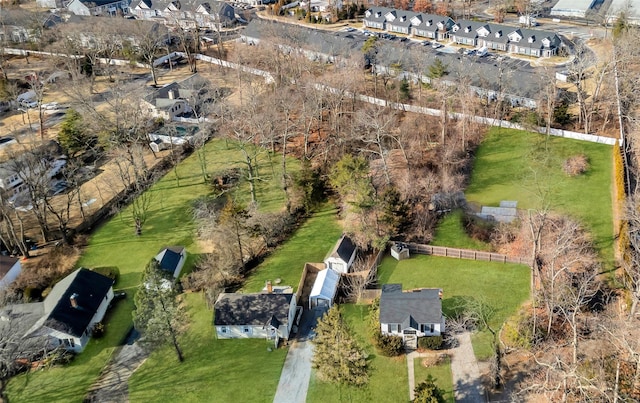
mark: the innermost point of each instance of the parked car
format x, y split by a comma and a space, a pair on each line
436, 45
425, 43
29, 104
469, 52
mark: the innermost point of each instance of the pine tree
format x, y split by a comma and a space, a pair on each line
158, 315
337, 356
428, 392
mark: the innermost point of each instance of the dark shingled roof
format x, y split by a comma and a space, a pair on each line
90, 289
171, 258
344, 249
252, 309
410, 308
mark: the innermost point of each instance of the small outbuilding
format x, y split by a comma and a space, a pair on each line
324, 289
342, 256
171, 259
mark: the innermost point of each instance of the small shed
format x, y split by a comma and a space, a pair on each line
324, 289
171, 259
400, 251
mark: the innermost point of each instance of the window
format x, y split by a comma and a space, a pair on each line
223, 329
431, 327
73, 342
399, 328
246, 330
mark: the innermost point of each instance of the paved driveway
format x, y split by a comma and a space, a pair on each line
466, 374
294, 379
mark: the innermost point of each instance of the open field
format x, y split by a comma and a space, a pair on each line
388, 376
114, 244
516, 165
213, 370
441, 373
502, 286
310, 243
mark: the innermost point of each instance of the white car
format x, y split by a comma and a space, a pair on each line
29, 104
436, 45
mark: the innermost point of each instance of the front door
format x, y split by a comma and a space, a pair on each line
410, 339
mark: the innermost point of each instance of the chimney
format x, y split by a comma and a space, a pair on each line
269, 287
172, 94
74, 300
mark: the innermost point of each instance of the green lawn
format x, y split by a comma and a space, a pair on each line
442, 374
114, 244
213, 370
310, 243
388, 376
502, 286
516, 165
450, 232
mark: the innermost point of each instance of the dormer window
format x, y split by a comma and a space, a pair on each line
440, 25
498, 34
546, 42
467, 29
378, 14
531, 39
403, 18
455, 28
429, 23
367, 14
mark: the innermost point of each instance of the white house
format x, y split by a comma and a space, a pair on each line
342, 256
10, 268
259, 315
324, 289
71, 310
171, 259
98, 7
411, 314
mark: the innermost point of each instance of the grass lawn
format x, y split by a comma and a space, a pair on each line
310, 243
114, 244
388, 376
502, 286
451, 233
213, 370
442, 374
516, 165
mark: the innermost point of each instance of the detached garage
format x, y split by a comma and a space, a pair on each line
324, 289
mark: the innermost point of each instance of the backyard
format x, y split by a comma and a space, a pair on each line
528, 168
504, 287
451, 233
114, 244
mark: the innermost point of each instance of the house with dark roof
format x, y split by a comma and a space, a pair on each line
431, 26
68, 314
342, 256
188, 14
99, 7
10, 268
411, 314
173, 99
375, 17
171, 259
258, 315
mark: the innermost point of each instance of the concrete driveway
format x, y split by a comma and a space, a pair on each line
296, 372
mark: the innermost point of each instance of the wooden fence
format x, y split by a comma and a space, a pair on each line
465, 254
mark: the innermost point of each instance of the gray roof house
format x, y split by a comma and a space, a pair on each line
431, 26
408, 22
68, 314
98, 7
465, 32
399, 21
375, 17
188, 14
173, 99
258, 315
342, 256
411, 314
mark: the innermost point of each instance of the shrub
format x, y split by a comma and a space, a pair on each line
430, 342
389, 346
109, 271
98, 330
576, 165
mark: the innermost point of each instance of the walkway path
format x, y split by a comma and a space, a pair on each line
464, 370
112, 386
296, 372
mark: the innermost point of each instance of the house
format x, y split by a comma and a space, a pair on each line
324, 289
10, 268
408, 22
99, 7
171, 259
375, 18
431, 26
168, 102
411, 314
342, 256
68, 314
188, 14
258, 315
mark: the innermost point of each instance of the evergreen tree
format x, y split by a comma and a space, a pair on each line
73, 137
337, 357
428, 392
158, 316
